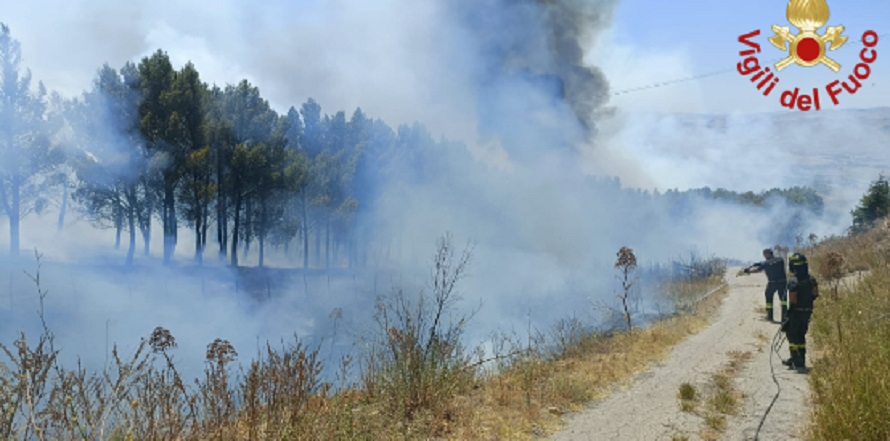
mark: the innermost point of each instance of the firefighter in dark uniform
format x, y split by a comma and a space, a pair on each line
803, 290
775, 273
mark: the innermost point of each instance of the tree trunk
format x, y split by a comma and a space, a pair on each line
64, 208
335, 247
169, 218
143, 216
146, 236
222, 220
237, 215
118, 222
204, 225
131, 220
317, 247
164, 230
15, 217
199, 258
305, 231
262, 233
222, 234
14, 223
327, 241
248, 225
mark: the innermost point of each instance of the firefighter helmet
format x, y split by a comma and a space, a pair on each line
796, 260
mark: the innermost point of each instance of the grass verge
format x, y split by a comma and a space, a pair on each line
850, 381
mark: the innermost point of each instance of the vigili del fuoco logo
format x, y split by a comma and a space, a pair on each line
807, 48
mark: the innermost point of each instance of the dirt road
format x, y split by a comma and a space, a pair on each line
649, 408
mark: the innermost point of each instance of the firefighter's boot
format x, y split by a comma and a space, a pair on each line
784, 311
793, 362
801, 363
769, 312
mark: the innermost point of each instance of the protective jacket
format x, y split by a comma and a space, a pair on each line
805, 289
774, 269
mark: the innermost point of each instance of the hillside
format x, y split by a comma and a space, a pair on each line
838, 152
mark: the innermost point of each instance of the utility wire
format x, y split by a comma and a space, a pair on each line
701, 76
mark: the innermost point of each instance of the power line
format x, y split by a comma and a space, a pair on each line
699, 76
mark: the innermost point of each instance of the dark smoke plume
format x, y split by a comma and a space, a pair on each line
536, 89
572, 25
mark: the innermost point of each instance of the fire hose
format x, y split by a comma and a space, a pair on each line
777, 342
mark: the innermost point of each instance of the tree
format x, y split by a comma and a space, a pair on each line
333, 172
196, 195
874, 205
252, 123
626, 265
192, 173
25, 147
155, 79
311, 142
278, 172
171, 117
221, 139
110, 158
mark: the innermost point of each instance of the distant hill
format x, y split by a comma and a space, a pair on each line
836, 152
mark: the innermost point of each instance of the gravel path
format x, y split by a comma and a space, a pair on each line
649, 409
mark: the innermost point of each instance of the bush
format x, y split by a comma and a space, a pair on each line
417, 362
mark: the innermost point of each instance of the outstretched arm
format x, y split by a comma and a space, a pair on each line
756, 268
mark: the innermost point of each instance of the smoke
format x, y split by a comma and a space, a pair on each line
533, 88
513, 80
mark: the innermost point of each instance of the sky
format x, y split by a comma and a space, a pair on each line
64, 42
653, 41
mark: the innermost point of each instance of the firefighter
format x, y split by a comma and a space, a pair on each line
776, 283
803, 290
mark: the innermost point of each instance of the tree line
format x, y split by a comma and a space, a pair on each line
151, 143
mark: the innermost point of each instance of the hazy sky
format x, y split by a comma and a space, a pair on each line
335, 49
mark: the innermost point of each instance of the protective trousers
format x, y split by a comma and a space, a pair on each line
780, 287
798, 324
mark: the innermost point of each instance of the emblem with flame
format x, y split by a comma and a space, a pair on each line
807, 48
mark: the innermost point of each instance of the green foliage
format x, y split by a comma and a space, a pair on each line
873, 206
687, 392
26, 148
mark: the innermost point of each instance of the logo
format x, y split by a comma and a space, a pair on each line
806, 48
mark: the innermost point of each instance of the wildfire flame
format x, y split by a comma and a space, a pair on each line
808, 15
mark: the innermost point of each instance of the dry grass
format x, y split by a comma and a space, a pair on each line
527, 399
417, 381
850, 380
